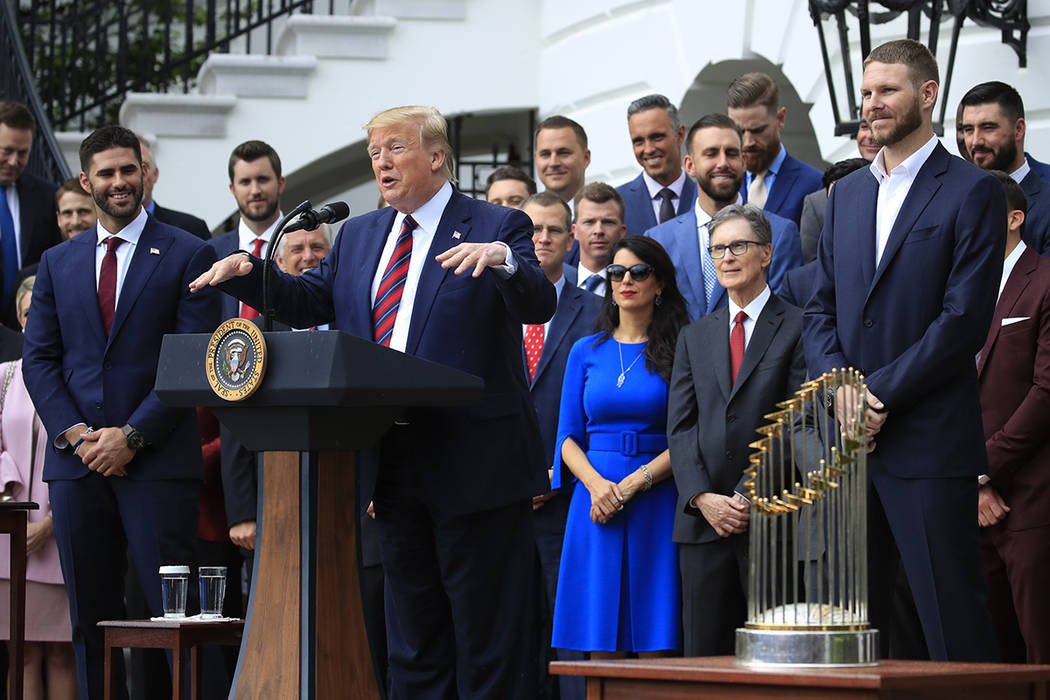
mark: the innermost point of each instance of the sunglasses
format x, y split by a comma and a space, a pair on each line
639, 272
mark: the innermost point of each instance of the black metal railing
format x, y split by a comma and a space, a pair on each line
86, 55
16, 83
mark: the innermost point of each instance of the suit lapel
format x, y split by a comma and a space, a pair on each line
644, 203
364, 258
866, 205
926, 184
782, 184
84, 282
688, 198
568, 309
143, 263
766, 327
1015, 286
718, 295
718, 341
688, 243
456, 219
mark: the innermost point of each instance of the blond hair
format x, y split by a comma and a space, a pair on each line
433, 129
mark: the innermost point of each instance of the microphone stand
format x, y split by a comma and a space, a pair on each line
268, 312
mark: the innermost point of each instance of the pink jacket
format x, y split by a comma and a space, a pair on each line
16, 437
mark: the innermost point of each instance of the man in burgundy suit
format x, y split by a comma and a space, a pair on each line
1013, 505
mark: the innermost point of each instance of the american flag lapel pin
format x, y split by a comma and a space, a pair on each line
457, 235
154, 251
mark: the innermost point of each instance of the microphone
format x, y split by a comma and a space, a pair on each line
312, 218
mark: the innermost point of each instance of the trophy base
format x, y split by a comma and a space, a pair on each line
807, 648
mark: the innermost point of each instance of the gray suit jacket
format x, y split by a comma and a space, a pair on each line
812, 222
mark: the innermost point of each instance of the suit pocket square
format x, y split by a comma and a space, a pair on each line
1016, 319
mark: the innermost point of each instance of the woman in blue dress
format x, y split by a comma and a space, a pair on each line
618, 587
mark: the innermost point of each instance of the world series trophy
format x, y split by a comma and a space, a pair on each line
808, 565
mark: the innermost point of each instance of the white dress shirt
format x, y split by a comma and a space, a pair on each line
11, 192
1022, 172
583, 274
893, 190
246, 237
753, 310
131, 234
655, 188
1008, 266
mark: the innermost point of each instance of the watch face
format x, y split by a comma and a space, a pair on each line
135, 441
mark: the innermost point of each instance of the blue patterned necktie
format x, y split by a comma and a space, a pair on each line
592, 283
8, 247
707, 266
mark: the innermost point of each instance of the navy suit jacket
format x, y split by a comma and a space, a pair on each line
798, 285
791, 185
711, 420
680, 239
179, 219
913, 324
224, 245
574, 318
481, 457
1037, 218
1041, 168
37, 217
75, 374
639, 216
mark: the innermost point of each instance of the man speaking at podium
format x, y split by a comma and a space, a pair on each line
450, 279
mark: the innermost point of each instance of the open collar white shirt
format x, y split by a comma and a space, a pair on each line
893, 190
131, 234
1008, 266
753, 311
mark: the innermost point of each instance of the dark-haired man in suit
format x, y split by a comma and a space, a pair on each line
124, 468
449, 279
908, 265
662, 191
1014, 370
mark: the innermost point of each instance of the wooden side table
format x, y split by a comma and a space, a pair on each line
178, 635
13, 518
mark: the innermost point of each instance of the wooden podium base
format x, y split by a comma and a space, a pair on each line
721, 677
305, 632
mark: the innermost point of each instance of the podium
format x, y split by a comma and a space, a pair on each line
325, 395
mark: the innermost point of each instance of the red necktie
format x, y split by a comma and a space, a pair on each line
107, 283
533, 347
247, 312
392, 285
736, 346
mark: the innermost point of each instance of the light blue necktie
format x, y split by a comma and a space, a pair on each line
707, 266
8, 247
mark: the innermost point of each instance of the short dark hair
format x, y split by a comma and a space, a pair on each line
549, 199
922, 66
654, 101
1015, 197
600, 193
843, 168
251, 151
557, 121
752, 89
105, 138
70, 185
1008, 99
509, 172
16, 115
713, 120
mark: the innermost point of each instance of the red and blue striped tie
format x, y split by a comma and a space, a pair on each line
388, 296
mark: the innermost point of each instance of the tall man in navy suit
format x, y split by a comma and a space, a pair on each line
662, 191
123, 468
27, 205
775, 181
546, 352
993, 130
714, 160
908, 267
449, 279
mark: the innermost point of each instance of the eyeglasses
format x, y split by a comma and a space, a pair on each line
639, 272
737, 248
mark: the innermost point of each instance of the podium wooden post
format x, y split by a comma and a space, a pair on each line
325, 395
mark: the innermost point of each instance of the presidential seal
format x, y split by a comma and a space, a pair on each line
236, 359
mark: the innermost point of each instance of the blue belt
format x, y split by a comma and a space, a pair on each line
627, 442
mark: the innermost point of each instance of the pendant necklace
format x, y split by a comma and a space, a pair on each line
623, 372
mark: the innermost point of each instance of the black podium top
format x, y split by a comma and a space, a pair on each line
322, 389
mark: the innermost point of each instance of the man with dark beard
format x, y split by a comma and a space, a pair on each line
907, 272
714, 159
123, 469
775, 181
992, 128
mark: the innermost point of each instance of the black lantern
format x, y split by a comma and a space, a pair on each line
1009, 16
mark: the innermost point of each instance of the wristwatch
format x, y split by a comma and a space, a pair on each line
134, 437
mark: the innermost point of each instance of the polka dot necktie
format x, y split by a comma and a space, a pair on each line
533, 347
